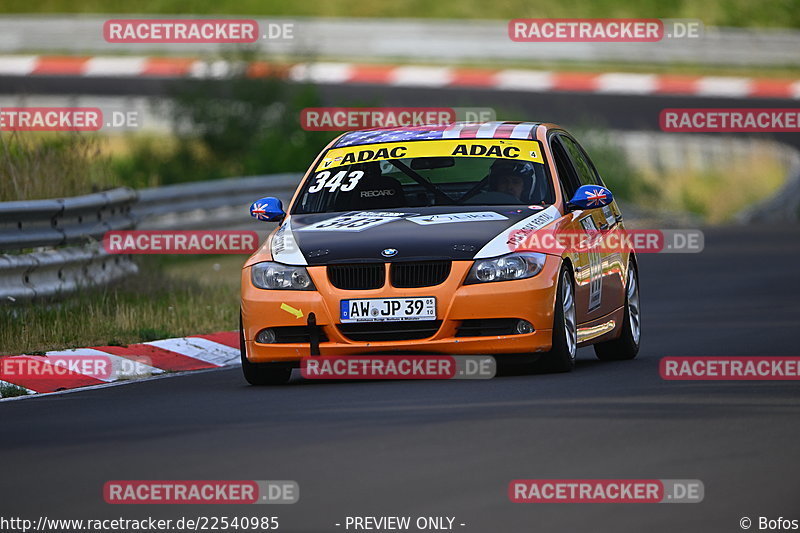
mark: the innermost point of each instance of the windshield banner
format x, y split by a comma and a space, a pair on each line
525, 150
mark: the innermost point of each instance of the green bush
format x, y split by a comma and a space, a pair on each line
233, 127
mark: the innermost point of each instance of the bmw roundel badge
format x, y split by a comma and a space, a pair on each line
389, 252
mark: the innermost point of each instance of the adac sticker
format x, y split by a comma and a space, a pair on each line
526, 150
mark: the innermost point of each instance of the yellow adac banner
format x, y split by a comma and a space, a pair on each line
526, 150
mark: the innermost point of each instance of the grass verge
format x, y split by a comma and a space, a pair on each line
40, 165
713, 190
173, 297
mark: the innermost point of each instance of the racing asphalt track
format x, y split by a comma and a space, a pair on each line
451, 448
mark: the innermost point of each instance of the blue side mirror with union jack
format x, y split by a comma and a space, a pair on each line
268, 209
591, 196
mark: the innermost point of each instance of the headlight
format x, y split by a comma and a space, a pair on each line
505, 268
269, 275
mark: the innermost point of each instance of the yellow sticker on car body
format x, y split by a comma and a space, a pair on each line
525, 150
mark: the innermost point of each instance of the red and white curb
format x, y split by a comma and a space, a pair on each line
55, 373
407, 76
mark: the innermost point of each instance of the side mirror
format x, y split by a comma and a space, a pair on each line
591, 196
268, 209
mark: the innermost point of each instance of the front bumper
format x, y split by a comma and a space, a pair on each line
529, 299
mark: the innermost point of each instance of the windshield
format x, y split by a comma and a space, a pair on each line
428, 173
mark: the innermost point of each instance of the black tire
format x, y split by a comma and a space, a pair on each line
262, 373
626, 346
561, 357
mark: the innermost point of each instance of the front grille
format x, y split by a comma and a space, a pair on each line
390, 331
419, 274
357, 276
296, 334
487, 327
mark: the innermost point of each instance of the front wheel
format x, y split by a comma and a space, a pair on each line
626, 346
561, 357
262, 373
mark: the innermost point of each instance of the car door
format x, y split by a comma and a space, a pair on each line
606, 272
585, 265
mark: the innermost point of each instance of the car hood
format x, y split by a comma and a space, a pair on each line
455, 233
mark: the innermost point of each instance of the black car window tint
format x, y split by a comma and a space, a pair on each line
580, 161
566, 174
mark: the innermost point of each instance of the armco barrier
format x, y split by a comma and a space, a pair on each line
34, 223
208, 204
54, 244
38, 231
60, 271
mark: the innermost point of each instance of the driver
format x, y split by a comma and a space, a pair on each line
512, 177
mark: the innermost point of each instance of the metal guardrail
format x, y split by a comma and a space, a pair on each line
60, 271
79, 221
70, 229
447, 41
34, 223
207, 204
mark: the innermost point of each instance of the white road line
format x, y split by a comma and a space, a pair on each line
524, 80
115, 66
715, 86
620, 83
421, 76
17, 65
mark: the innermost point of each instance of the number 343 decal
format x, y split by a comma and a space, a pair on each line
325, 180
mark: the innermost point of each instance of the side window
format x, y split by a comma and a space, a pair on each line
583, 166
566, 174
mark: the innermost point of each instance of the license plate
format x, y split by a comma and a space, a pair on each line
388, 309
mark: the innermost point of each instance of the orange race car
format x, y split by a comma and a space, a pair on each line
407, 240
